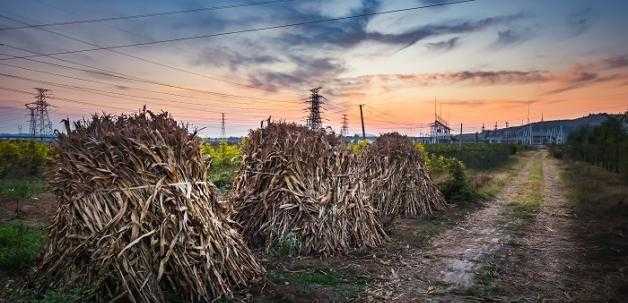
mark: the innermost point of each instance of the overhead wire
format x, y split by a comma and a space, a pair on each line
133, 56
255, 29
123, 76
147, 15
136, 88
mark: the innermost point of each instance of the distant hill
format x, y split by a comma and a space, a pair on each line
544, 132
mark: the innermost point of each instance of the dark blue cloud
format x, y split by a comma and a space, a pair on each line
446, 45
581, 21
307, 72
234, 60
511, 37
350, 34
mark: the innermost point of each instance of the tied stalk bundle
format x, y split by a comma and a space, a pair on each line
137, 218
398, 184
300, 188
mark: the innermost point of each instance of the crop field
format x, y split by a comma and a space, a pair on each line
292, 214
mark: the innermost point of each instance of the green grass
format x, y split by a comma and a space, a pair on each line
222, 176
19, 246
21, 188
342, 286
600, 202
24, 295
490, 184
525, 206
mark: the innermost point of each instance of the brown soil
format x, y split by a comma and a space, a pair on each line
447, 267
37, 211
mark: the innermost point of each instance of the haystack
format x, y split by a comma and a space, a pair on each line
137, 217
300, 188
398, 183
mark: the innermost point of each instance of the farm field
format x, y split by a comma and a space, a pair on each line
297, 151
519, 238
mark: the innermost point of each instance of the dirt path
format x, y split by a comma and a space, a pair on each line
494, 255
448, 267
543, 264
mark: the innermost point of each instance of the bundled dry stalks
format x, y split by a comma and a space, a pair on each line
137, 218
398, 184
301, 186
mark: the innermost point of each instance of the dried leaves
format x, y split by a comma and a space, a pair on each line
398, 184
303, 186
136, 216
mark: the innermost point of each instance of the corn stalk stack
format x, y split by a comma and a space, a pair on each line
137, 218
301, 186
398, 183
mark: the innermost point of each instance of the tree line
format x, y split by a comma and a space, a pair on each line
605, 145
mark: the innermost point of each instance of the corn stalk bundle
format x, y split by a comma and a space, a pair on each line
301, 186
398, 184
137, 218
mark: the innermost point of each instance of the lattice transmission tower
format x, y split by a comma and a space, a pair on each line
314, 120
223, 130
39, 122
344, 131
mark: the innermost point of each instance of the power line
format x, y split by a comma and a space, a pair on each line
63, 99
133, 56
128, 95
212, 8
252, 120
257, 29
123, 76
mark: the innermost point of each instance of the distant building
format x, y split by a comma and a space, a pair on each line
543, 132
440, 132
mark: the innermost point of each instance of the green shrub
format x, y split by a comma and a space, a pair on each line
457, 188
480, 156
23, 158
359, 146
605, 145
287, 246
557, 151
19, 246
226, 159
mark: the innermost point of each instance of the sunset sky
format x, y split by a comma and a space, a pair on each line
483, 61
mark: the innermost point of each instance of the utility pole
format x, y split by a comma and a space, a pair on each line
223, 132
362, 121
344, 131
39, 124
460, 139
314, 120
529, 127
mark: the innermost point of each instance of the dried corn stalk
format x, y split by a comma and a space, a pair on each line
302, 185
398, 184
137, 217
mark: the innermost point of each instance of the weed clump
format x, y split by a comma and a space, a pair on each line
457, 187
19, 246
